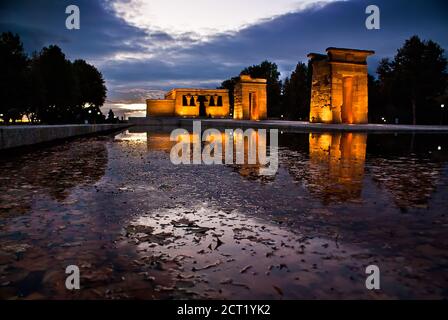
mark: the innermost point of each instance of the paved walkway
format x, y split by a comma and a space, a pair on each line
292, 125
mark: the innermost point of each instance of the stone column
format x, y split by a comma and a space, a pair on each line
207, 101
196, 101
188, 97
215, 99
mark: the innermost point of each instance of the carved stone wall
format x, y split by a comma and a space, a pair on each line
191, 103
250, 99
250, 102
159, 108
339, 91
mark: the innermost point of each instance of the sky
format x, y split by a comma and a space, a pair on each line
146, 47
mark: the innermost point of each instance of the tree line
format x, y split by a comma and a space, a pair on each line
47, 87
410, 88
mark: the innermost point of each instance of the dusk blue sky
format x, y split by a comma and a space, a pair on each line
146, 47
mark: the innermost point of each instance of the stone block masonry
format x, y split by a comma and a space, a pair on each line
250, 102
250, 99
20, 136
339, 90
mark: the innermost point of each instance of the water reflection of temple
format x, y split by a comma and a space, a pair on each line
159, 141
243, 144
252, 142
336, 165
156, 140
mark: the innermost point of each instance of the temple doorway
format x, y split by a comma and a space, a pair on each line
253, 107
347, 102
202, 107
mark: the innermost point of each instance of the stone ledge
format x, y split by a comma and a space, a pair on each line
301, 126
155, 121
20, 136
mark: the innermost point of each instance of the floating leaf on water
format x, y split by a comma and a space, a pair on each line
279, 291
245, 269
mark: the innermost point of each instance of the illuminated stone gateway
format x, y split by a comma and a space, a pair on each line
339, 91
250, 99
250, 102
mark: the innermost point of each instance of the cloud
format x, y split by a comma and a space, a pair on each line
102, 34
199, 46
290, 38
125, 110
204, 18
285, 40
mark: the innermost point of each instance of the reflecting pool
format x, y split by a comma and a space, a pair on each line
139, 226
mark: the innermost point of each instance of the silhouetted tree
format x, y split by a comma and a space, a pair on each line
111, 116
296, 93
37, 93
93, 114
48, 87
265, 70
90, 83
59, 84
376, 108
230, 85
13, 77
414, 80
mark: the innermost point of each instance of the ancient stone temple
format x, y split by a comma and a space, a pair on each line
250, 99
250, 102
190, 103
339, 91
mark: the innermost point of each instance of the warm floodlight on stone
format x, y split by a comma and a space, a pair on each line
339, 91
249, 95
250, 99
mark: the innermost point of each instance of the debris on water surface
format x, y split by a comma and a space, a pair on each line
279, 291
217, 263
245, 269
151, 225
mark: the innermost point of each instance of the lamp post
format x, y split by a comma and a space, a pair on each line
442, 106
